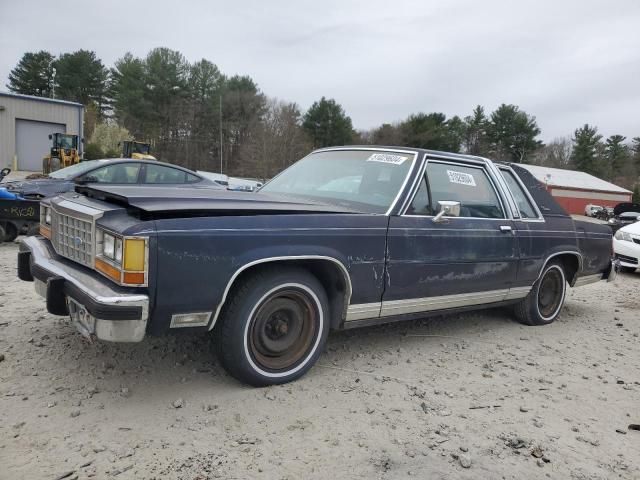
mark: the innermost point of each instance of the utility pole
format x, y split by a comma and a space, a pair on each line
221, 134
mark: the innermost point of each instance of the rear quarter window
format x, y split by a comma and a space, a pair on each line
525, 206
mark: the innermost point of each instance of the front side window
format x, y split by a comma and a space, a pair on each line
468, 185
75, 171
364, 180
421, 204
114, 173
524, 205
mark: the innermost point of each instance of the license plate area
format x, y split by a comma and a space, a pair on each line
84, 322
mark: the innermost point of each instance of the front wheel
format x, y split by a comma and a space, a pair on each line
543, 303
9, 231
274, 327
627, 269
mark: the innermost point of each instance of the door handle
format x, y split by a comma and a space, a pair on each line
505, 228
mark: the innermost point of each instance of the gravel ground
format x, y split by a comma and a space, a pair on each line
466, 396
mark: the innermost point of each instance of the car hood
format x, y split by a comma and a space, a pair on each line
633, 228
626, 207
197, 201
42, 187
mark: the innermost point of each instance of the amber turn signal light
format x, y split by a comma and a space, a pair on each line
109, 270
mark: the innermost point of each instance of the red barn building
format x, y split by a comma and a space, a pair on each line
575, 190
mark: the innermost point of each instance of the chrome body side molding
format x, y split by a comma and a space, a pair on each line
428, 304
363, 310
587, 279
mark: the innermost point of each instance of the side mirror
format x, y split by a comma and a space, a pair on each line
84, 179
448, 208
50, 137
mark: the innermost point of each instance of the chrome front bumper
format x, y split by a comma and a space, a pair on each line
98, 307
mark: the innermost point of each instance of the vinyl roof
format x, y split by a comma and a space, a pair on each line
557, 177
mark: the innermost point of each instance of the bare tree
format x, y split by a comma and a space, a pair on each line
556, 154
273, 142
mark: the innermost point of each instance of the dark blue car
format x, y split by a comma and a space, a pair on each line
346, 237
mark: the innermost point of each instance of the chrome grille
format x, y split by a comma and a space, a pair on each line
72, 238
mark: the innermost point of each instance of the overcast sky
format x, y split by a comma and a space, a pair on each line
568, 62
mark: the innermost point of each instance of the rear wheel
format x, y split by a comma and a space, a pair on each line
543, 303
274, 327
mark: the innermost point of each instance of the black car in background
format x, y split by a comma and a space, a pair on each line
624, 214
19, 207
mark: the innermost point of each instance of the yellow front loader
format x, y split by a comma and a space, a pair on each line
63, 153
137, 150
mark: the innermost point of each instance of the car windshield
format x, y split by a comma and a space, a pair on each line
363, 180
69, 173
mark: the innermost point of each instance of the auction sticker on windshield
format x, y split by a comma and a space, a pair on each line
387, 158
461, 178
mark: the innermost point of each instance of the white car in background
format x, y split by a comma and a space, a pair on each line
591, 210
232, 183
626, 247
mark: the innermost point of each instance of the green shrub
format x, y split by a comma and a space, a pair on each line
93, 151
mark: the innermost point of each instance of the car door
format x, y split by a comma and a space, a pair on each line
450, 262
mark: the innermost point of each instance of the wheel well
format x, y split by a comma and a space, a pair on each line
570, 264
9, 231
333, 278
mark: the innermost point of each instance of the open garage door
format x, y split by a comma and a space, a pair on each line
32, 142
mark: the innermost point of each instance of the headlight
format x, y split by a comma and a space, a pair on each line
123, 259
109, 246
45, 216
620, 235
45, 221
118, 253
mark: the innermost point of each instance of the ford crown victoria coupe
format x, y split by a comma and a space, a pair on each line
344, 238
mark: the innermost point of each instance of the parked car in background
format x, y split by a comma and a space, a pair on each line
592, 210
232, 183
19, 200
624, 214
626, 247
344, 238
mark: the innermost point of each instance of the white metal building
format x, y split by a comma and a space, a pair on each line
574, 190
26, 123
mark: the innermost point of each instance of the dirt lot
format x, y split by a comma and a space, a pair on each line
470, 396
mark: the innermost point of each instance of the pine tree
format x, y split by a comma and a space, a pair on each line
475, 132
617, 156
327, 124
33, 75
586, 145
512, 134
81, 77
